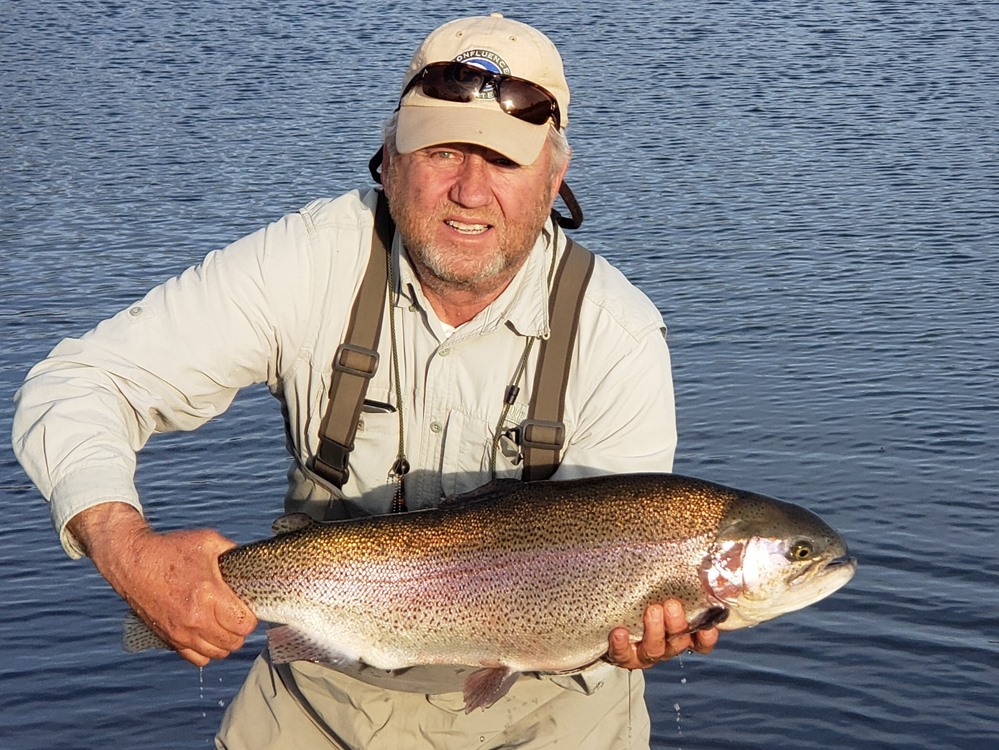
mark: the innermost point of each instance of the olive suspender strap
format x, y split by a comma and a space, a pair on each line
543, 434
356, 360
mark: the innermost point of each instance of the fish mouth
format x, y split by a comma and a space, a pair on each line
835, 566
840, 566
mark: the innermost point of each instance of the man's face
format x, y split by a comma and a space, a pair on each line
468, 215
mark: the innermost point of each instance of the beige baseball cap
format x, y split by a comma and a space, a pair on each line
499, 45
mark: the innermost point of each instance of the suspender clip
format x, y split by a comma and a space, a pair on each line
330, 463
542, 434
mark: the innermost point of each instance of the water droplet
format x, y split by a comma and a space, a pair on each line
679, 719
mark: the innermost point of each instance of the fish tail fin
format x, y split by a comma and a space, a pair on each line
486, 686
137, 636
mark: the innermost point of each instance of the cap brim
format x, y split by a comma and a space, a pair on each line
459, 122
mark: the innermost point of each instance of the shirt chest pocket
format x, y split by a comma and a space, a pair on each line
375, 443
468, 453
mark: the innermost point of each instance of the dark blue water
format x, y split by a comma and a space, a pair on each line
809, 192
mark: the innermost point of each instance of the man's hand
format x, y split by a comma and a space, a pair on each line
665, 636
171, 580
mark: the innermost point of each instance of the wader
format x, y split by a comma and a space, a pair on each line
306, 705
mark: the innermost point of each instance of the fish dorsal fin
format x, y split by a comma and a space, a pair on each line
292, 522
494, 490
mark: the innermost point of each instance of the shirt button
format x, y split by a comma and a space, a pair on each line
135, 311
435, 427
444, 352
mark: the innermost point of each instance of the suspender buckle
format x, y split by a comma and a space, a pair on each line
356, 360
330, 463
542, 434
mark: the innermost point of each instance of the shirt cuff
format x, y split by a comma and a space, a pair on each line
84, 489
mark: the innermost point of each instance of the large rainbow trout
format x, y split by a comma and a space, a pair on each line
518, 577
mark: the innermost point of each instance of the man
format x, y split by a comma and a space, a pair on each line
471, 166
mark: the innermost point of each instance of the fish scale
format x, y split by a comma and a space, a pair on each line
532, 577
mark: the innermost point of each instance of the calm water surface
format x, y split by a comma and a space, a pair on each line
809, 192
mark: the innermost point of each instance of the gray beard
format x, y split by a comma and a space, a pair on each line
439, 263
445, 273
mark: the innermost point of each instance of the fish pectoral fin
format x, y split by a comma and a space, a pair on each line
137, 636
287, 644
486, 686
709, 618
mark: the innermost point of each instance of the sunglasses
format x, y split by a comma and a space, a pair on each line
458, 82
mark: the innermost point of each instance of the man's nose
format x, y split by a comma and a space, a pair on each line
472, 185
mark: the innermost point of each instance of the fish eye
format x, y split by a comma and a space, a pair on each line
800, 550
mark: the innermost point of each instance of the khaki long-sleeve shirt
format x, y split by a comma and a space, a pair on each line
273, 307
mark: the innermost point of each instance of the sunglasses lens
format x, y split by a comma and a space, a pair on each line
453, 82
525, 102
457, 82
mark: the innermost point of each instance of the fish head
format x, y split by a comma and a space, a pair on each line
771, 558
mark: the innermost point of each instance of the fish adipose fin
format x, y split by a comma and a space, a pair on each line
137, 636
287, 644
486, 686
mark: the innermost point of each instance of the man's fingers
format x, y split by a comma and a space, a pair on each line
705, 640
675, 620
235, 617
202, 653
653, 645
198, 660
676, 627
621, 651
217, 644
666, 634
